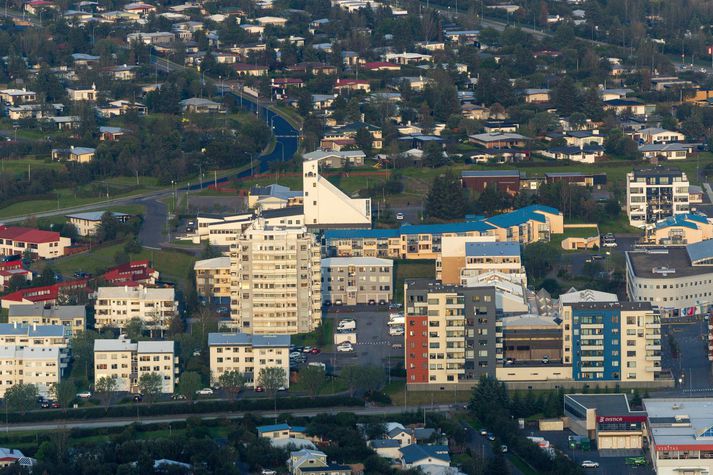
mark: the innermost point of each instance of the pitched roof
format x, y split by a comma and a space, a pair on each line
36, 236
416, 452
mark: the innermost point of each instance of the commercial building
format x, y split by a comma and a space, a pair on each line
40, 244
452, 333
116, 306
680, 434
213, 279
688, 228
36, 365
655, 193
676, 279
505, 181
357, 280
456, 268
88, 223
276, 276
248, 355
605, 341
606, 419
72, 317
127, 362
325, 206
525, 225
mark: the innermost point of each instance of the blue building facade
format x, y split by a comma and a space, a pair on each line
596, 342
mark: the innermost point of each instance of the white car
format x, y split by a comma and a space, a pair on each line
400, 216
345, 347
204, 392
295, 354
84, 395
590, 464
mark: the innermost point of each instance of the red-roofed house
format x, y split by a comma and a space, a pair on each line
42, 244
10, 269
13, 456
352, 85
47, 294
132, 273
382, 66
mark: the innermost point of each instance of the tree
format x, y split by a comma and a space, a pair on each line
150, 385
365, 378
21, 397
108, 227
312, 378
565, 96
63, 392
134, 329
364, 140
105, 387
189, 383
433, 155
232, 381
446, 199
17, 282
538, 258
272, 379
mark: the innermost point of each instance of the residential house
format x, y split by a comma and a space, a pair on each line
416, 455
352, 85
46, 294
88, 223
11, 269
40, 244
668, 151
314, 462
76, 93
15, 97
499, 140
199, 105
131, 273
74, 154
536, 96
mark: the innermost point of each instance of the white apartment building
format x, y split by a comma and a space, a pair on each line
275, 286
248, 354
29, 365
326, 206
655, 193
357, 280
127, 362
220, 230
83, 93
115, 307
213, 279
72, 317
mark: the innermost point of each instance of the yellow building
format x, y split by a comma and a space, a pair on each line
248, 354
71, 317
127, 362
680, 229
213, 279
116, 306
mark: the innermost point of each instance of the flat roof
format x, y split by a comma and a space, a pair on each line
247, 339
692, 417
40, 310
155, 346
605, 404
611, 305
221, 262
485, 249
667, 263
355, 261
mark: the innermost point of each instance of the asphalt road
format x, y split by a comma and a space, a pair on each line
120, 422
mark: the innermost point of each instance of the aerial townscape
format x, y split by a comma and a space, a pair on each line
345, 237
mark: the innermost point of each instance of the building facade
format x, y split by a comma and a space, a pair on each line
40, 244
479, 258
213, 279
275, 286
357, 280
452, 334
37, 365
88, 223
127, 362
655, 193
248, 355
613, 341
116, 306
606, 419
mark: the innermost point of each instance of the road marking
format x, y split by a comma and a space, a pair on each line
698, 390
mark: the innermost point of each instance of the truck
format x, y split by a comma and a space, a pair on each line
397, 321
346, 324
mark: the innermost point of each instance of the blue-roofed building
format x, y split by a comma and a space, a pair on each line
247, 354
23, 336
281, 431
415, 455
463, 260
680, 229
424, 241
88, 223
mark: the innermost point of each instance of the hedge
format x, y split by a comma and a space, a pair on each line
182, 408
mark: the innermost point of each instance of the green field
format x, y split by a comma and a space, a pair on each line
172, 265
20, 165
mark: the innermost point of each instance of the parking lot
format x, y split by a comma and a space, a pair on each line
374, 345
607, 464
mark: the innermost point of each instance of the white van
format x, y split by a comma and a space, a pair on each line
346, 324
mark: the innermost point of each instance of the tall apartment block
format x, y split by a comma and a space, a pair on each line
608, 341
275, 281
453, 334
655, 193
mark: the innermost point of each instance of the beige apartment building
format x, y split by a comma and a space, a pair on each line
213, 279
72, 317
88, 223
275, 286
127, 362
37, 336
30, 365
248, 354
116, 306
463, 259
40, 244
357, 280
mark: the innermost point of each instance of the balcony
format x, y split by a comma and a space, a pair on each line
653, 369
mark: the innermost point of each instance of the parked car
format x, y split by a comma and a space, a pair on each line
307, 349
504, 448
491, 436
259, 389
315, 351
84, 395
400, 216
178, 397
204, 392
295, 354
138, 397
590, 464
345, 347
546, 359
483, 432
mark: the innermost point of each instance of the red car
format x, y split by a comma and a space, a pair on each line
315, 351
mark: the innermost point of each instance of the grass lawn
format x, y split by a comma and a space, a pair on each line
400, 396
172, 265
321, 338
408, 269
